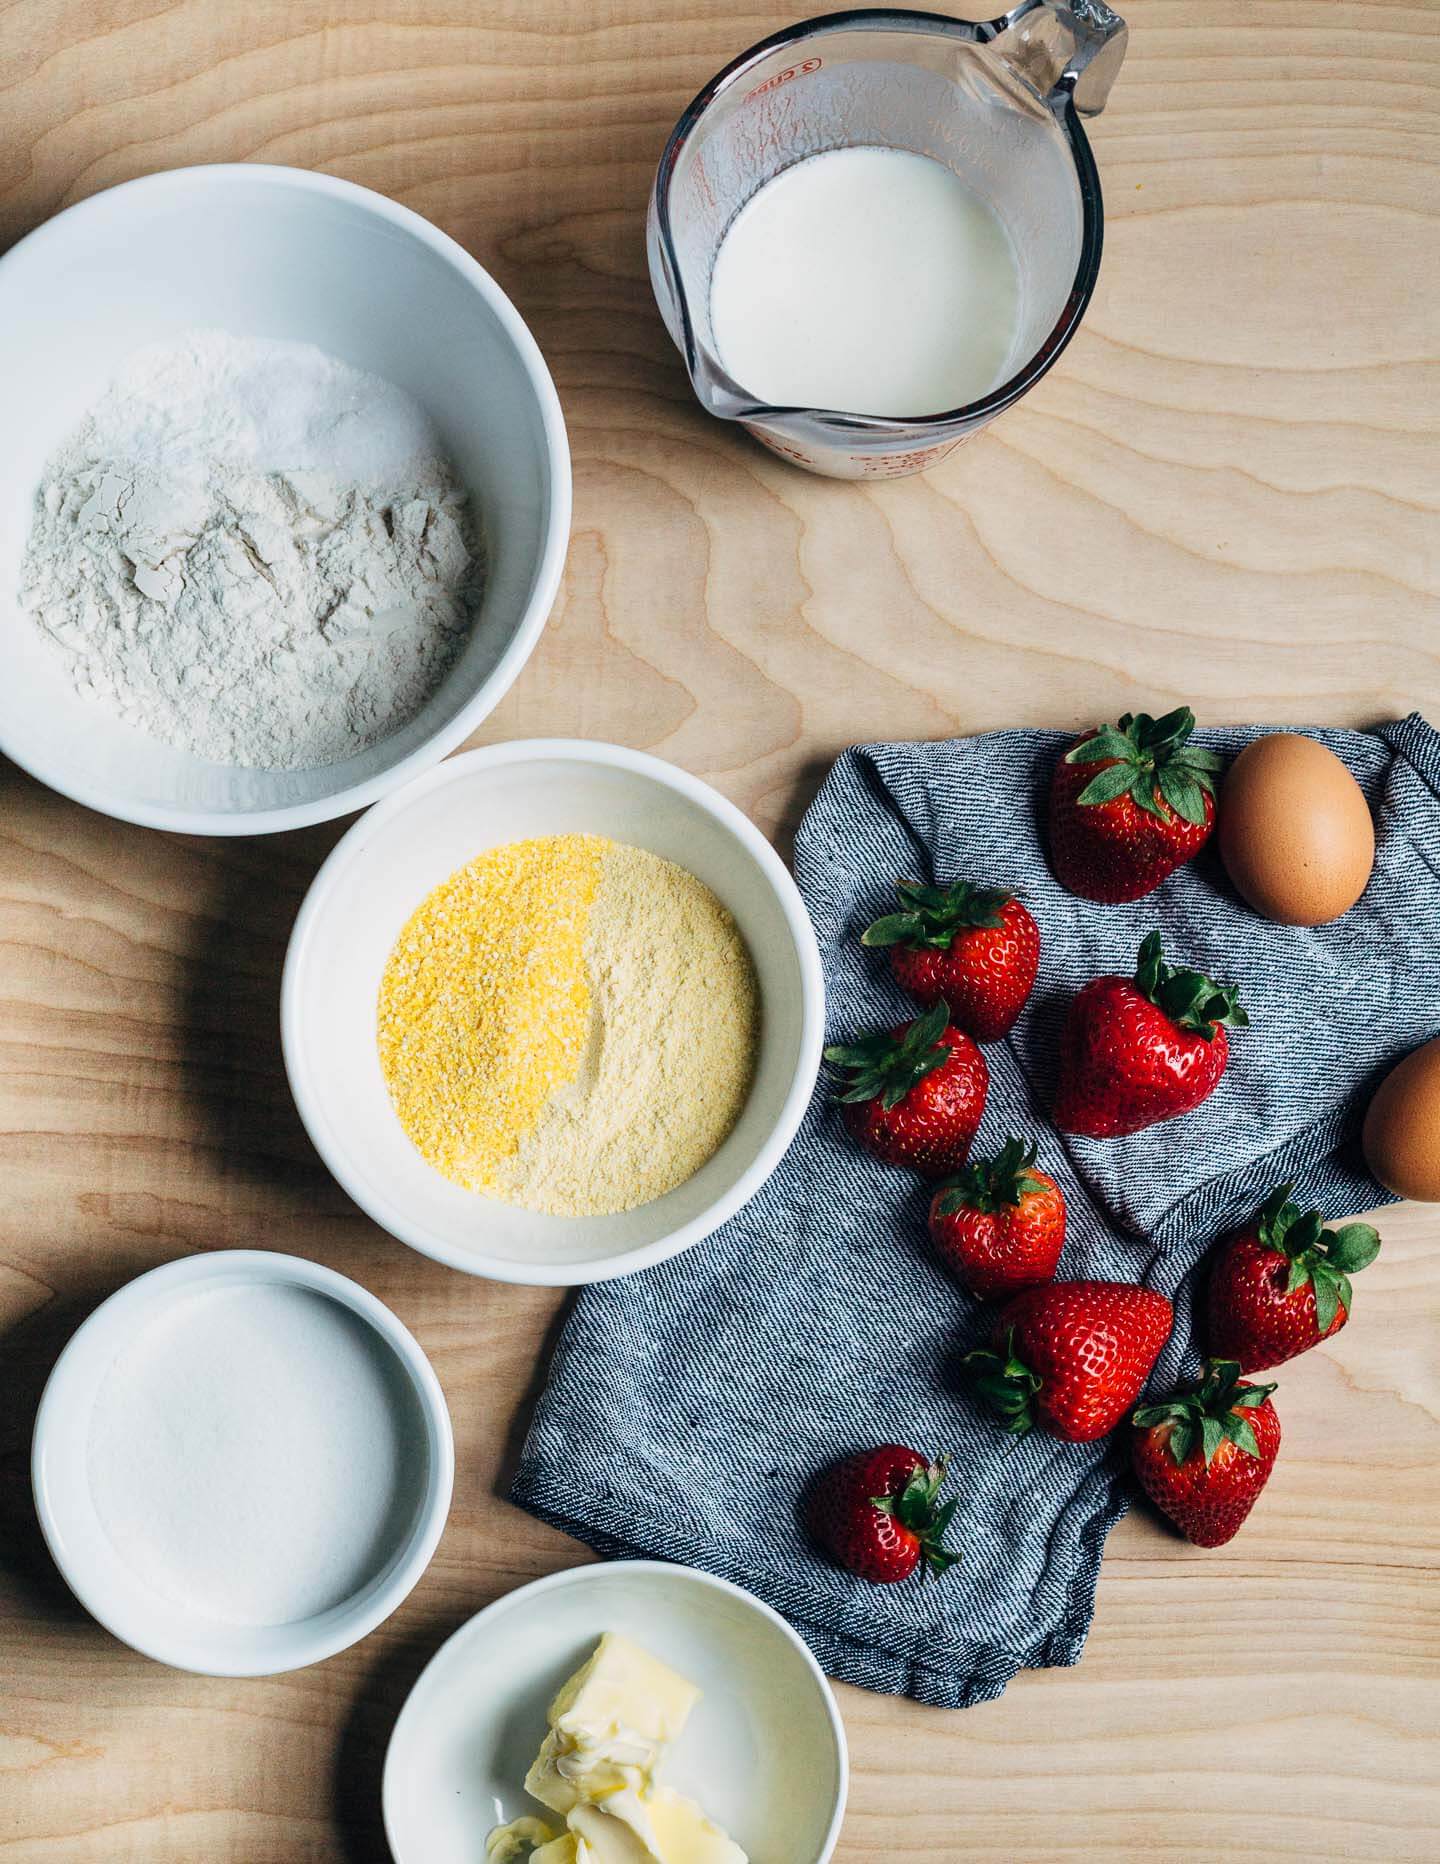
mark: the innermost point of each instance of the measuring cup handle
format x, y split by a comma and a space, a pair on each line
1073, 45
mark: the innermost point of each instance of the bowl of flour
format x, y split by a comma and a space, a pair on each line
283, 505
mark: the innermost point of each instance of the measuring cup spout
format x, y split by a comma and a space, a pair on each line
1074, 45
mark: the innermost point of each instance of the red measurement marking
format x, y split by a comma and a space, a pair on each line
864, 465
897, 465
784, 77
779, 446
702, 182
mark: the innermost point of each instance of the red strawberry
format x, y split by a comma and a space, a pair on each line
916, 1093
1203, 1456
1073, 1357
975, 947
878, 1514
1129, 804
1283, 1285
1000, 1224
1137, 1051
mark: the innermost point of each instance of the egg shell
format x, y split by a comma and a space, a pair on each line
1295, 832
1402, 1126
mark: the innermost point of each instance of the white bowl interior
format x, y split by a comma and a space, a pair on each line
260, 253
760, 1753
370, 887
109, 1587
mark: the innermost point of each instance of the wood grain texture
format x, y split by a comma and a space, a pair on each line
1225, 493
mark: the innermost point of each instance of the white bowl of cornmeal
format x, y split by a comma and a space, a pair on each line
590, 1174
613, 1712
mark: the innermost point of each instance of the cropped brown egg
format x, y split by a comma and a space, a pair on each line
1402, 1127
1295, 832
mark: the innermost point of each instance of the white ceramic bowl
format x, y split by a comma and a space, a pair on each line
764, 1752
272, 252
376, 877
107, 1585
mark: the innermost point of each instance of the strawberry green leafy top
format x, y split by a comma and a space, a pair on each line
989, 1185
933, 917
1324, 1258
1155, 765
1208, 1415
919, 1510
1006, 1384
1189, 998
885, 1067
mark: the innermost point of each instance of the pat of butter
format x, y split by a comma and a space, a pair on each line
564, 1850
508, 1843
683, 1835
608, 1725
626, 1829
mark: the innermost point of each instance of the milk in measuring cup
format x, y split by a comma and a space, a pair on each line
868, 281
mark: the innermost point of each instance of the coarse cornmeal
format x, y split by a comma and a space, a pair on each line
569, 1024
485, 1003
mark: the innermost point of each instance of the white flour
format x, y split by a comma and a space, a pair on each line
255, 1454
254, 552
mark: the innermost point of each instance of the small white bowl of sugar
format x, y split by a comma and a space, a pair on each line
242, 1463
284, 498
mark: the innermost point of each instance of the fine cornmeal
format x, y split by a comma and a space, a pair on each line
256, 1454
569, 1023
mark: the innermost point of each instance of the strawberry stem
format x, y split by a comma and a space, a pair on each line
1205, 1417
1190, 999
884, 1067
1324, 1258
931, 918
919, 1510
989, 1185
1005, 1383
1152, 761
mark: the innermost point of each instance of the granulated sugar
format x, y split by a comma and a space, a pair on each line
254, 552
256, 1454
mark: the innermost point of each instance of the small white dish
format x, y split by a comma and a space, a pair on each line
764, 1752
263, 251
381, 871
110, 1585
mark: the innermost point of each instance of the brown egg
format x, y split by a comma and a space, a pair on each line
1402, 1126
1295, 832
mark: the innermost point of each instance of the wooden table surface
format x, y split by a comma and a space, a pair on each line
1225, 494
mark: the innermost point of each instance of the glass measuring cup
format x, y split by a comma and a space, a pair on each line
999, 103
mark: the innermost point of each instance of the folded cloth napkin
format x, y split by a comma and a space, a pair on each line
688, 1407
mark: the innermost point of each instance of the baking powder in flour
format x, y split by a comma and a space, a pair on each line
257, 1454
255, 552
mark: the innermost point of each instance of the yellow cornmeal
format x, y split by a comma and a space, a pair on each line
569, 1024
485, 1001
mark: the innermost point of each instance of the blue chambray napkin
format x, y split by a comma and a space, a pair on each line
688, 1407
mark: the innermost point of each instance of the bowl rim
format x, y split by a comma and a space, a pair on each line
178, 819
594, 1571
309, 1640
352, 846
